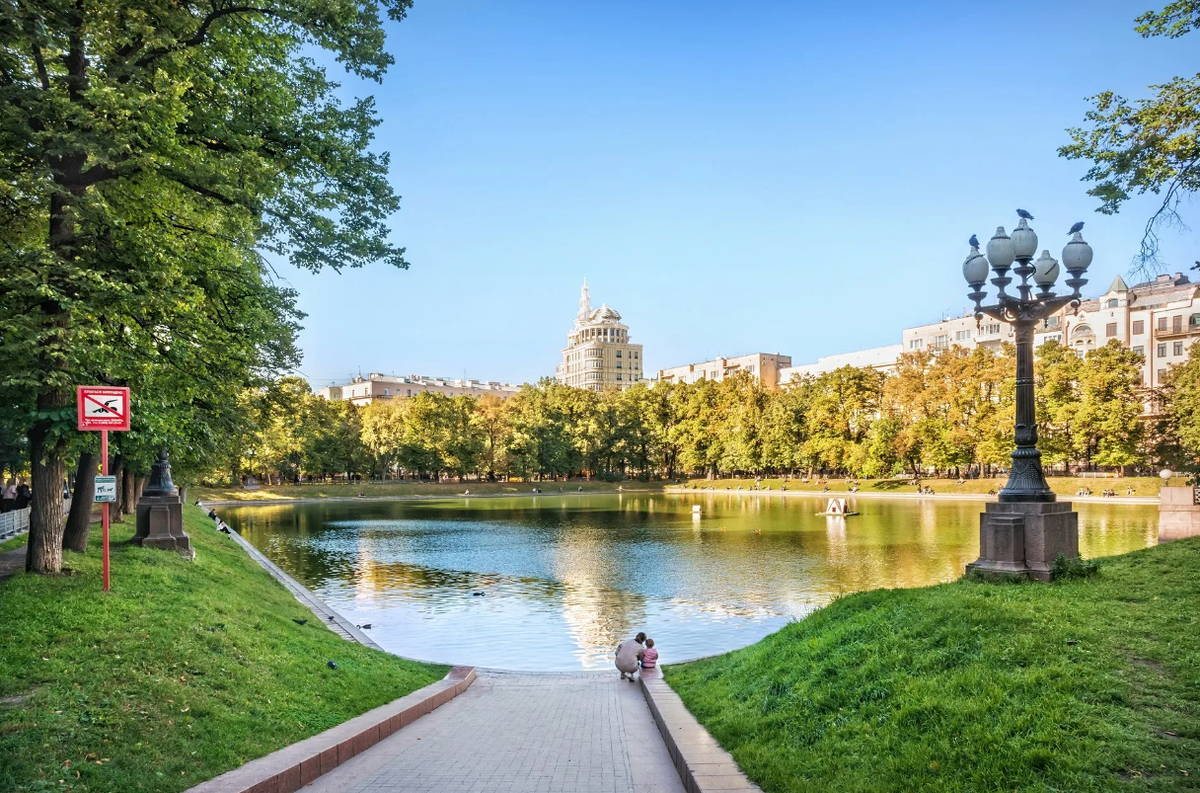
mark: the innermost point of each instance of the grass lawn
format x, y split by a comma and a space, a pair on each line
183, 671
1082, 685
1063, 485
14, 542
409, 488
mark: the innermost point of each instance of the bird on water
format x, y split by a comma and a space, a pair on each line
1024, 214
974, 241
1077, 227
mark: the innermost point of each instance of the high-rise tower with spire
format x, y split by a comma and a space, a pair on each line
598, 354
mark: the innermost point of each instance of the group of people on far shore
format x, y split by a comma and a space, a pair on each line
634, 654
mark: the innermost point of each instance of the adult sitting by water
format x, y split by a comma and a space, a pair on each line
629, 653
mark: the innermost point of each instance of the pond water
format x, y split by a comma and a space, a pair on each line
555, 582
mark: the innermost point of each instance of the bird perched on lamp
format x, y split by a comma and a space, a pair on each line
1077, 227
974, 241
1024, 214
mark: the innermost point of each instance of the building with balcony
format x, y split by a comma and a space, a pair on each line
1157, 319
365, 390
766, 367
599, 354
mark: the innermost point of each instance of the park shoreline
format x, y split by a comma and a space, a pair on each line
675, 490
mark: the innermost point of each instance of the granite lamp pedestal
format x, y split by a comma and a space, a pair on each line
160, 513
1025, 537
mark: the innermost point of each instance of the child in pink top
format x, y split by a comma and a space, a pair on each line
649, 655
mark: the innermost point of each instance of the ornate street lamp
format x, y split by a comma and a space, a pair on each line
1027, 529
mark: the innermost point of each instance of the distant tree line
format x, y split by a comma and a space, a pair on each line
950, 413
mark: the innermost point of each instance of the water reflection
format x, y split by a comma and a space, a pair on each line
554, 582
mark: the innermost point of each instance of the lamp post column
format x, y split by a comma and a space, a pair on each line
1026, 482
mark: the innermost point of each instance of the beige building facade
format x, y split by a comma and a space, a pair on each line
365, 390
1157, 319
599, 354
765, 367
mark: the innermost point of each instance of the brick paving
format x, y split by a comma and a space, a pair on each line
521, 733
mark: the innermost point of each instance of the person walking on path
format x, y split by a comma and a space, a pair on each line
629, 654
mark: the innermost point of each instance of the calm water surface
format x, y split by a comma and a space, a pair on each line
556, 582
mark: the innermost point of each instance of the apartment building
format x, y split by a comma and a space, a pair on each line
365, 390
882, 358
765, 367
599, 354
1157, 319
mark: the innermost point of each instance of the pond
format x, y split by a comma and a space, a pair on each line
555, 582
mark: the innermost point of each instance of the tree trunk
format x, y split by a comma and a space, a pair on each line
43, 554
139, 484
128, 497
75, 536
117, 470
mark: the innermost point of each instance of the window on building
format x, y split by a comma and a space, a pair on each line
1112, 302
1051, 322
618, 375
941, 342
618, 364
1110, 330
1139, 327
1162, 323
1162, 375
992, 329
1195, 319
962, 335
1177, 323
1178, 348
409, 392
916, 344
1162, 350
1140, 351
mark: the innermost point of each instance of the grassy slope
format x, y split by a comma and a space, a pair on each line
377, 490
1063, 485
1079, 685
183, 671
14, 542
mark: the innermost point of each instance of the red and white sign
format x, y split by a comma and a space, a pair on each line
102, 408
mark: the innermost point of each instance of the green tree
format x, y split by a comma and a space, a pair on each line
1148, 145
1180, 401
187, 134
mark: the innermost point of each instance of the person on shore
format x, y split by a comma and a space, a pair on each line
629, 655
649, 655
24, 496
8, 495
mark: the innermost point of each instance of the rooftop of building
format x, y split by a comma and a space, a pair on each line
416, 379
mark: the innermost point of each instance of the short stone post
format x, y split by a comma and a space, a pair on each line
160, 513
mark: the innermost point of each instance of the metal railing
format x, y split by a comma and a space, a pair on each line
14, 523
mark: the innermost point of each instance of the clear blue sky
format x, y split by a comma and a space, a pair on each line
731, 177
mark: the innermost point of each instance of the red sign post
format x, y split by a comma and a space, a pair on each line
103, 408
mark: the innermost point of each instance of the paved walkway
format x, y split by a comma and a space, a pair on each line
11, 563
521, 733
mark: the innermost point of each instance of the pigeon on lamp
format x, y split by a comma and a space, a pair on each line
1076, 228
1024, 214
974, 241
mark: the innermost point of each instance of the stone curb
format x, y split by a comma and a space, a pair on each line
295, 766
703, 766
331, 619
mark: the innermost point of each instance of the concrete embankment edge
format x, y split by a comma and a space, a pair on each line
703, 766
295, 766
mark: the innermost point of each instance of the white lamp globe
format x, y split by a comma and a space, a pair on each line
1165, 474
1045, 270
975, 269
1000, 251
1024, 240
1077, 254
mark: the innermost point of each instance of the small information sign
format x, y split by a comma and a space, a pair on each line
106, 489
